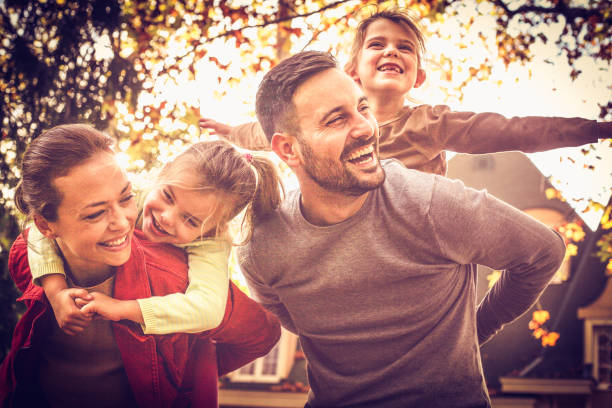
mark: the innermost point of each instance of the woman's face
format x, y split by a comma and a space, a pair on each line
96, 216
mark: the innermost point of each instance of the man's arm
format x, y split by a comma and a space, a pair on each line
248, 135
265, 295
473, 227
437, 128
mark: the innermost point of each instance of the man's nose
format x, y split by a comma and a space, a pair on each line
362, 127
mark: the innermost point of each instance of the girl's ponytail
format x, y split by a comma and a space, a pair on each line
268, 192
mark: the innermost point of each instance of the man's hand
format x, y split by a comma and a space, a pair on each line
69, 317
220, 129
112, 309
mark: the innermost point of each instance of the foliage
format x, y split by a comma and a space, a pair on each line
120, 64
540, 331
605, 242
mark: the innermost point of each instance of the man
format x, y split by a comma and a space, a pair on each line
372, 264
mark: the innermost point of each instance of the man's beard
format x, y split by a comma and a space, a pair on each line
333, 175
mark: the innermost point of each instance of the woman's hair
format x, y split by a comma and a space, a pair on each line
53, 154
239, 181
396, 15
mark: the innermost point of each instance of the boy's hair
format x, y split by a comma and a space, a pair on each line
274, 100
239, 181
398, 16
51, 155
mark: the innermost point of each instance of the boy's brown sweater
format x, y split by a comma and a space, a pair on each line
420, 135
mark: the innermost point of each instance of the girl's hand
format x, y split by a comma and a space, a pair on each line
69, 317
112, 309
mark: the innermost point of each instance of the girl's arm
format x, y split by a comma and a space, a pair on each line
200, 308
47, 270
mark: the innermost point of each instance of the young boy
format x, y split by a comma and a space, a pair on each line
386, 61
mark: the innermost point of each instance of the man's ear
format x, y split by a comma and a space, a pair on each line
421, 76
45, 227
285, 147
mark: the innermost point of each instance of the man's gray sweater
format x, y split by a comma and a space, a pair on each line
384, 303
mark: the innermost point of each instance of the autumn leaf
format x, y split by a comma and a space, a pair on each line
541, 316
550, 339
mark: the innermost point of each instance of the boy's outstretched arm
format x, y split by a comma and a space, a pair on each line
248, 135
437, 128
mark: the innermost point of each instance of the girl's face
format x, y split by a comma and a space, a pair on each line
388, 60
179, 213
96, 216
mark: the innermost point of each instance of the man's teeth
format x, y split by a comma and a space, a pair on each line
364, 151
116, 242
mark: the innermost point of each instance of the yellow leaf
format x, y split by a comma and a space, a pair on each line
550, 339
541, 316
538, 333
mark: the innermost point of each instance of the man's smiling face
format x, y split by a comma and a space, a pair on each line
338, 139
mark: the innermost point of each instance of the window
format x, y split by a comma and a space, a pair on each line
274, 366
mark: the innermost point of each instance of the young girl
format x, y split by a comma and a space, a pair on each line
194, 198
75, 192
386, 61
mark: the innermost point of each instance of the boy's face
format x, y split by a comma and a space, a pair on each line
178, 214
389, 60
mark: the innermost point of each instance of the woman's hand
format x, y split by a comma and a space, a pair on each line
112, 309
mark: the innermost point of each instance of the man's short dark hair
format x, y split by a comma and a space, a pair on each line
274, 101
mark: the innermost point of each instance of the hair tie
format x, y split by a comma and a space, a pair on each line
248, 157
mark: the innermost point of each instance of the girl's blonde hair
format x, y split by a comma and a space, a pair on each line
240, 181
398, 16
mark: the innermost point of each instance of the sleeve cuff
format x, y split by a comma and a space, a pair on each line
46, 269
146, 308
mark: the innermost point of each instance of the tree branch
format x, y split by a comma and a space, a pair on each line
570, 13
278, 20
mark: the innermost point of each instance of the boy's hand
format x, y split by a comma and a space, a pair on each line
112, 309
218, 128
69, 317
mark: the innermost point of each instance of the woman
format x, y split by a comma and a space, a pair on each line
78, 196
